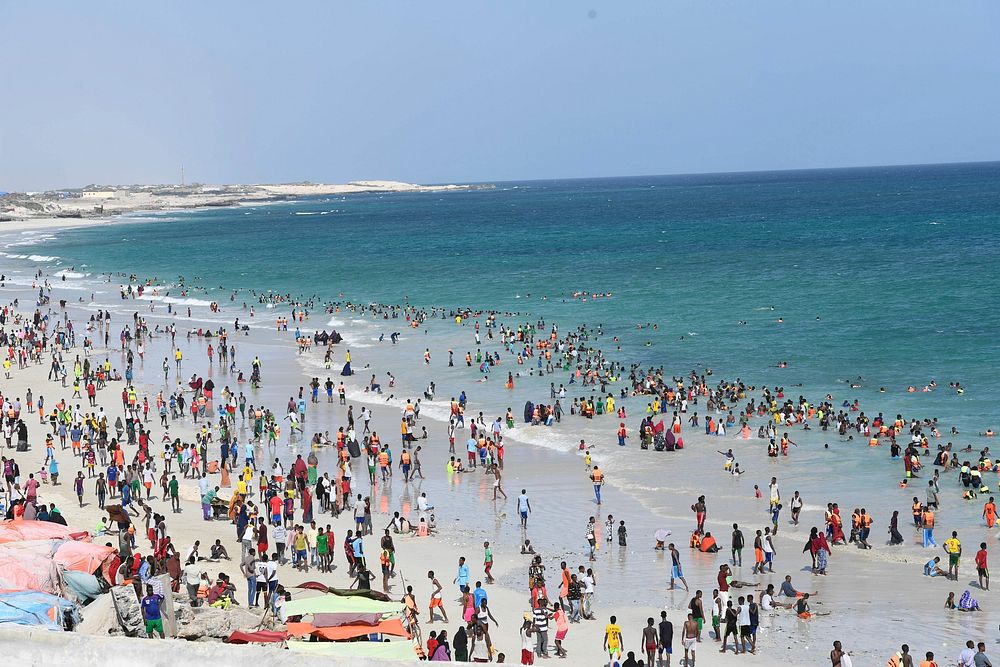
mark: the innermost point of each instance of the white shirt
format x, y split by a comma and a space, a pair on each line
744, 614
192, 574
766, 602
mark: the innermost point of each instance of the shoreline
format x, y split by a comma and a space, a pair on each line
49, 210
701, 461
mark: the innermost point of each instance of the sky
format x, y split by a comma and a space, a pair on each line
458, 91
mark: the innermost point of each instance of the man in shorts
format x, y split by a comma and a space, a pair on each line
697, 613
982, 568
666, 636
689, 637
613, 640
151, 613
650, 640
437, 599
953, 547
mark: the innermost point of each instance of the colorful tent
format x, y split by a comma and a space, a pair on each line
20, 531
392, 627
28, 569
34, 608
83, 556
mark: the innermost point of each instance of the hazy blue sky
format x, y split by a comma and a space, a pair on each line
433, 91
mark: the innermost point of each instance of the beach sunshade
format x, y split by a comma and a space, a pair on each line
360, 593
398, 650
335, 620
661, 535
392, 627
258, 637
344, 592
335, 604
116, 513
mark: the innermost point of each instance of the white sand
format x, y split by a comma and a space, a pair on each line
15, 208
877, 599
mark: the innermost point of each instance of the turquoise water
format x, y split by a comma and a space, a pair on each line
889, 274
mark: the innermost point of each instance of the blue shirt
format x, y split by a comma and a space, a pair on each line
463, 574
478, 595
151, 607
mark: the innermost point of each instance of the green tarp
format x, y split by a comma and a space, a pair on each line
334, 604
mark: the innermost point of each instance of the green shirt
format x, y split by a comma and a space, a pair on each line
174, 487
322, 543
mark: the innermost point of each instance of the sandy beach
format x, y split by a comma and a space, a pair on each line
99, 204
631, 581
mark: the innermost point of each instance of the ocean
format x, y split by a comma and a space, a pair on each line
879, 277
883, 278
884, 274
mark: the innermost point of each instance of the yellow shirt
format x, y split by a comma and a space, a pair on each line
952, 545
613, 632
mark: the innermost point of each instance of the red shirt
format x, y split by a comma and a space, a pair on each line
981, 558
723, 584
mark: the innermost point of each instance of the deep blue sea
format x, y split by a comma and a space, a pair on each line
888, 274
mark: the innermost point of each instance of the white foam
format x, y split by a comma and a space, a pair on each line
34, 258
182, 301
543, 436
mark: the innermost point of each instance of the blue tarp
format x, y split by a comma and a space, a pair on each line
86, 586
34, 608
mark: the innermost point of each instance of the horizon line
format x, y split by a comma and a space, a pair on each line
733, 173
544, 179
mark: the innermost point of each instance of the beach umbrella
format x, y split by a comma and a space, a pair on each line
661, 535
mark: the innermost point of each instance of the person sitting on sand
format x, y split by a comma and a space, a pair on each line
802, 607
526, 548
932, 569
708, 544
967, 602
219, 551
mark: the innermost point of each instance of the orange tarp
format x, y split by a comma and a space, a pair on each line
390, 627
82, 556
20, 531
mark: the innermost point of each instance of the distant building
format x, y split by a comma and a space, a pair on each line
98, 194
